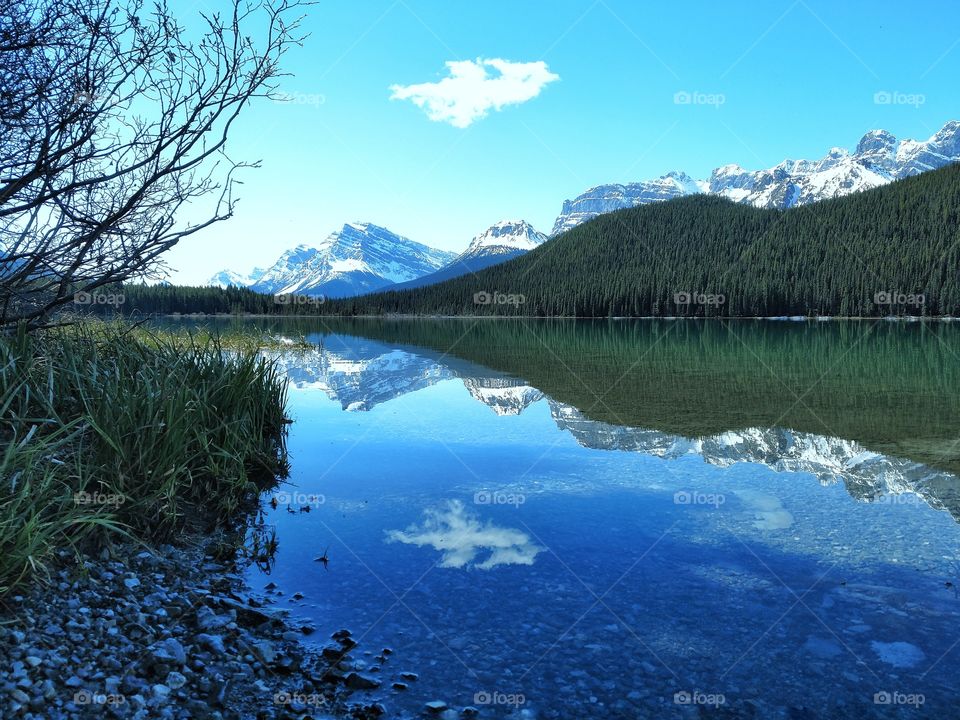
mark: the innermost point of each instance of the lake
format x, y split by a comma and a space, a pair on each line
628, 519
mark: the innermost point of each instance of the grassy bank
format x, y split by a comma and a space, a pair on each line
109, 428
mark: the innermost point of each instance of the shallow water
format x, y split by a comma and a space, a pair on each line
565, 547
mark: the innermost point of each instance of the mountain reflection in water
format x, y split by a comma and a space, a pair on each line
360, 374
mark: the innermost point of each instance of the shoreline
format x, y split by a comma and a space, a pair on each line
768, 318
100, 616
167, 632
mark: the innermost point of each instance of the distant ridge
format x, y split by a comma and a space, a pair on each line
500, 242
893, 250
878, 159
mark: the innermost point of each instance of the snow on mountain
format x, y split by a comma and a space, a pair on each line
503, 241
507, 237
229, 278
359, 258
607, 198
879, 158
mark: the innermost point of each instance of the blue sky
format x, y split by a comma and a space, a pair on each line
795, 78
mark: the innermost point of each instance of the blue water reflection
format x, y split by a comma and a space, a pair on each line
530, 562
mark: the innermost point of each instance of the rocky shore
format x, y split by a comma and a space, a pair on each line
169, 633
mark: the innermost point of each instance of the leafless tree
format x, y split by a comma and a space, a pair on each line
114, 118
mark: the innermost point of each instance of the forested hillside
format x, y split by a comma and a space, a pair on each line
892, 250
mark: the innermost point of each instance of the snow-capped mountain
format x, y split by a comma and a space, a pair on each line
879, 158
229, 278
507, 237
359, 258
498, 243
607, 198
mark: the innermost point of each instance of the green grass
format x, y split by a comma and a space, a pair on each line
111, 428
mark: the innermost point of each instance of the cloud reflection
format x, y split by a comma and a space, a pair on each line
460, 535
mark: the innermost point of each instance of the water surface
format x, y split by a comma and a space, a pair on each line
630, 519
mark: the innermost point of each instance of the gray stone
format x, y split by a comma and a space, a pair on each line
209, 620
168, 651
356, 681
213, 643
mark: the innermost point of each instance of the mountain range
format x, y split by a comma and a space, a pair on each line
358, 258
882, 252
363, 257
879, 158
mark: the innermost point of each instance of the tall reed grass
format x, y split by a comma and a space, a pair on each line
112, 428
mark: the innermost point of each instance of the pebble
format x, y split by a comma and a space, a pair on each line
142, 641
356, 681
168, 651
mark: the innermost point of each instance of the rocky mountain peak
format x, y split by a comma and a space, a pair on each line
876, 140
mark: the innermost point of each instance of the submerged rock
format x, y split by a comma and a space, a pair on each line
899, 654
144, 651
356, 681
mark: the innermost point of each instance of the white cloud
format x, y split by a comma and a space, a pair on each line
471, 90
460, 536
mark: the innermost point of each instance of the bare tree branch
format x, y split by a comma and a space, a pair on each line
112, 121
